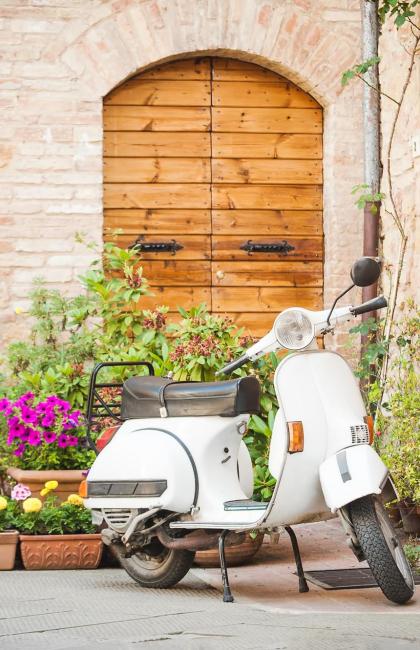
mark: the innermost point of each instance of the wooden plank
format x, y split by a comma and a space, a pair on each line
148, 144
273, 274
255, 324
266, 120
171, 195
175, 273
150, 92
157, 170
228, 247
267, 197
195, 247
281, 94
266, 145
264, 299
267, 222
156, 118
197, 69
248, 170
174, 297
235, 70
151, 221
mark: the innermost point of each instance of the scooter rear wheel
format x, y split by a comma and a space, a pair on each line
158, 567
382, 549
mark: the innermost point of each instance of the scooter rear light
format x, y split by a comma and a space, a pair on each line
83, 489
295, 436
369, 422
105, 437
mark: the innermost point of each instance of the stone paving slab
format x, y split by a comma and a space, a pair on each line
106, 610
269, 581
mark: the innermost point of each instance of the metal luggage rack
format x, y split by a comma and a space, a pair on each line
98, 408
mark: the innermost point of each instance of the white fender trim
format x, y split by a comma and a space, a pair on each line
350, 474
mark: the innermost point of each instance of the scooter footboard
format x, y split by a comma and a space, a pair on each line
352, 473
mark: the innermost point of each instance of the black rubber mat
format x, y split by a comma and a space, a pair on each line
346, 578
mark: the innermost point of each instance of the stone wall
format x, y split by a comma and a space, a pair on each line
60, 57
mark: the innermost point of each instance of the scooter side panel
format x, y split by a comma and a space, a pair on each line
318, 389
141, 450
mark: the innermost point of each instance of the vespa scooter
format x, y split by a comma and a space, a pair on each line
176, 476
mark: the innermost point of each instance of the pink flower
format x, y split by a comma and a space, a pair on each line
62, 441
379, 433
19, 451
34, 438
49, 436
20, 492
73, 441
4, 403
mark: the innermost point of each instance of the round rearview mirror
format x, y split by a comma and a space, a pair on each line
365, 271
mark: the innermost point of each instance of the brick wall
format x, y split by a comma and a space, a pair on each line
60, 57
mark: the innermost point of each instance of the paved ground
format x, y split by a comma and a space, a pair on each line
105, 609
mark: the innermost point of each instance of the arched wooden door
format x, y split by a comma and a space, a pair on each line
214, 166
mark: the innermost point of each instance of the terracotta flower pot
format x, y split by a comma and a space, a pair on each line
8, 544
61, 551
235, 555
68, 480
410, 518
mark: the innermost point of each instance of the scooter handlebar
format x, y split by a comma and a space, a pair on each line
233, 365
370, 305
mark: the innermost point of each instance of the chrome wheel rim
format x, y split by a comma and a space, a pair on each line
151, 562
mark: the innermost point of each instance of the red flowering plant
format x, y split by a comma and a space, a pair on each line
45, 433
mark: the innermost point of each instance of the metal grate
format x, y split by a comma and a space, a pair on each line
118, 519
360, 578
359, 434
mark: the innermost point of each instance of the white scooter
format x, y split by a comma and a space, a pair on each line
176, 476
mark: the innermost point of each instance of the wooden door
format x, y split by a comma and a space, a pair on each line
223, 159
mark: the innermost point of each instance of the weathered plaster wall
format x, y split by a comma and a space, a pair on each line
60, 57
395, 49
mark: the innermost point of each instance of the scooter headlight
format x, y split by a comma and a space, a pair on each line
294, 330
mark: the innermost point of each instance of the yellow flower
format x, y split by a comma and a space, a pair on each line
3, 503
32, 505
51, 485
75, 500
44, 492
18, 310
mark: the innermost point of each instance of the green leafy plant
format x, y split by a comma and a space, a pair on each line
394, 399
400, 10
412, 552
32, 516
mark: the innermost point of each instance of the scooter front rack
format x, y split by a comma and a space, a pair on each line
98, 407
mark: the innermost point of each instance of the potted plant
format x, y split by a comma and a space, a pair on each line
46, 440
54, 535
8, 537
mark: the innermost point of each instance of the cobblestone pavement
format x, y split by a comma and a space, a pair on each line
105, 609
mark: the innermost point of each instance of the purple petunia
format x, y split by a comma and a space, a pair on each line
62, 441
4, 403
28, 415
48, 420
49, 436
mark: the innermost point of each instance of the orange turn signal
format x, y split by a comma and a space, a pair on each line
295, 436
369, 421
83, 489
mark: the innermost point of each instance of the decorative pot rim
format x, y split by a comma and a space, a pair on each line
42, 475
65, 537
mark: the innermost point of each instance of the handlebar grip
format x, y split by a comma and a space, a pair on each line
226, 370
370, 305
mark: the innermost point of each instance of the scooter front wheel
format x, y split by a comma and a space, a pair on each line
382, 549
158, 567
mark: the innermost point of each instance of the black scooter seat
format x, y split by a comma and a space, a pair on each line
150, 397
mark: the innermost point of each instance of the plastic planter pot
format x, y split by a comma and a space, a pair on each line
40, 552
8, 544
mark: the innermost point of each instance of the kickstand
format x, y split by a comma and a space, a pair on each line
303, 585
227, 595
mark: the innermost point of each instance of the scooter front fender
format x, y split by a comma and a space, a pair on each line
350, 474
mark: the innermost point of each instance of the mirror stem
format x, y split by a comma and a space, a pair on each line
336, 301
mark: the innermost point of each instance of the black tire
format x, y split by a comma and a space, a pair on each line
382, 549
158, 567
